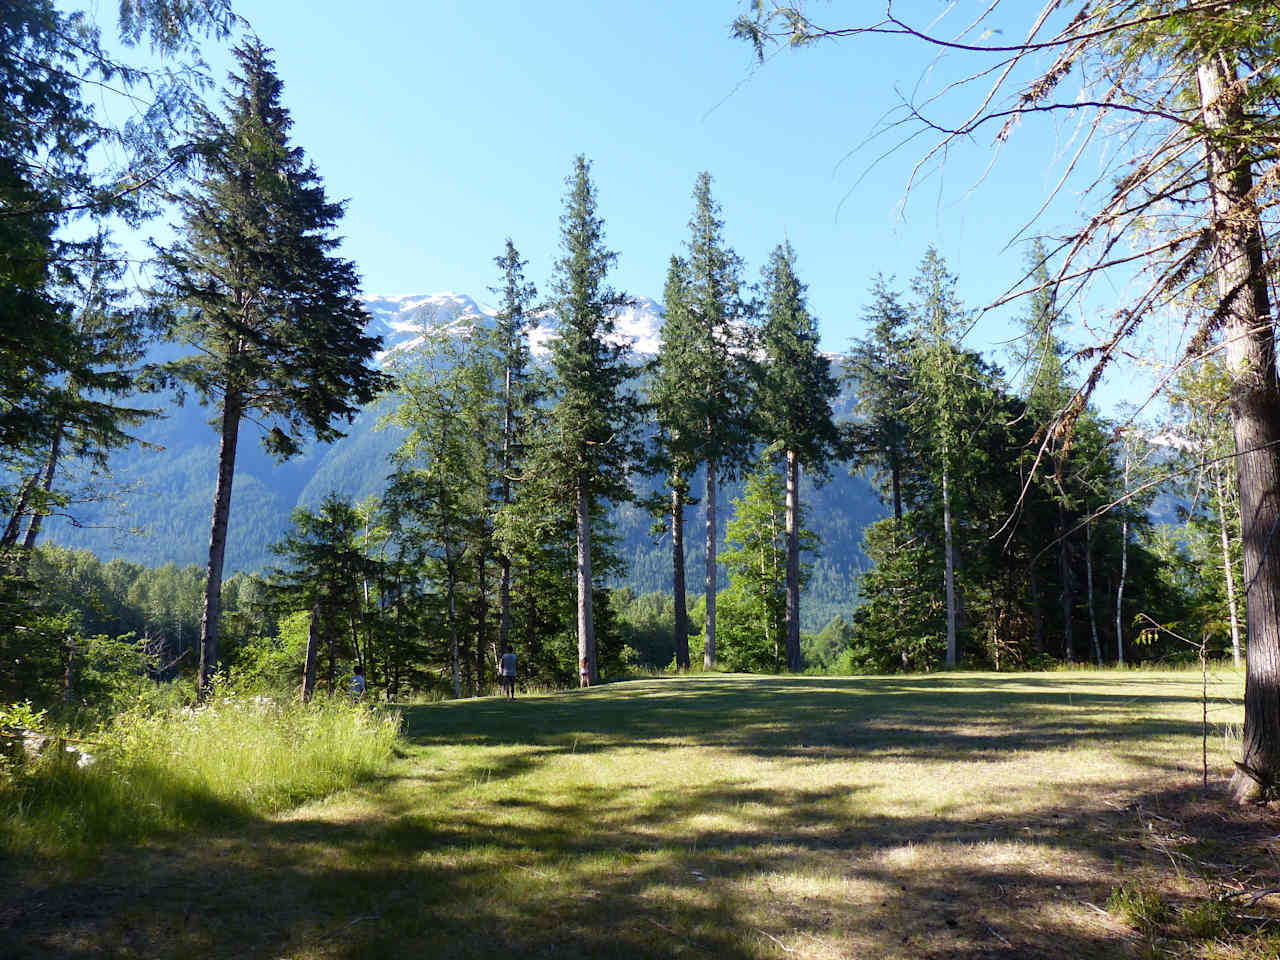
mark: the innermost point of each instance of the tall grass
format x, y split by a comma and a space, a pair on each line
156, 773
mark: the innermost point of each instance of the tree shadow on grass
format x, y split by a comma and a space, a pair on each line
599, 874
723, 869
938, 718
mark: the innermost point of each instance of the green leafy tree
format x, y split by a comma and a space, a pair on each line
794, 406
273, 311
592, 422
325, 572
755, 606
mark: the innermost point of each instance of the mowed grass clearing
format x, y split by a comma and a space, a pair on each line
946, 816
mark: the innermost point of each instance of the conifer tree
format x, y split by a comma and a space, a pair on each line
941, 394
713, 328
512, 342
679, 413
593, 420
879, 371
795, 395
262, 295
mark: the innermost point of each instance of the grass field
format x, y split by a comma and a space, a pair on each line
1052, 815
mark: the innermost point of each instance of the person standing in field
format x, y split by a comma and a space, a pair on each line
357, 684
584, 674
507, 672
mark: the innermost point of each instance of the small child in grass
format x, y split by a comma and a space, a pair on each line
357, 684
584, 674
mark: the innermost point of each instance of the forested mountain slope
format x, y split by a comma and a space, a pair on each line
158, 505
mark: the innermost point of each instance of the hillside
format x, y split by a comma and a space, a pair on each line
160, 499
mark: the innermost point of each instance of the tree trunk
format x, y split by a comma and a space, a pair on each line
950, 567
1037, 612
232, 409
309, 661
1088, 572
482, 626
451, 606
586, 627
793, 562
46, 486
677, 570
1124, 570
1228, 568
1249, 335
1064, 574
9, 538
709, 652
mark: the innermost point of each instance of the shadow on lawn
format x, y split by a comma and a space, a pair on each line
942, 718
415, 887
596, 872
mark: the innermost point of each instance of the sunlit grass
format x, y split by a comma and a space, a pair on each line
948, 815
154, 773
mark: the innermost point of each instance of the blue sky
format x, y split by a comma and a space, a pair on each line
450, 126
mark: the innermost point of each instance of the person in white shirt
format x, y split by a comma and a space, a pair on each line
507, 673
357, 684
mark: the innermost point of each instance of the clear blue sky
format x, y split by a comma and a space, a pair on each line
450, 126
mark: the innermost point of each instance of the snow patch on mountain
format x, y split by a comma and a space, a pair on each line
401, 319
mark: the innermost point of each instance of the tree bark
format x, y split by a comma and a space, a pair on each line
309, 660
504, 562
482, 625
46, 486
232, 409
792, 530
709, 651
1124, 570
451, 605
677, 570
1067, 596
1249, 335
586, 626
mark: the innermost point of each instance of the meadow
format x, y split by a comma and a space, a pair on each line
956, 815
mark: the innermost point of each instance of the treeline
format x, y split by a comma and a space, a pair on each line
1015, 535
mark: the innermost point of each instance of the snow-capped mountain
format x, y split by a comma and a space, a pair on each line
400, 321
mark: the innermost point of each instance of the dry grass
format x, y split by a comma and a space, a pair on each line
951, 816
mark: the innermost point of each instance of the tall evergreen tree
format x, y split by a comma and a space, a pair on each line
261, 293
878, 369
595, 415
512, 342
719, 384
940, 396
795, 395
679, 410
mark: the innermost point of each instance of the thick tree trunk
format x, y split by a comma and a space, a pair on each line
232, 409
895, 473
677, 571
793, 562
1228, 568
586, 626
1249, 336
950, 566
309, 660
709, 652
